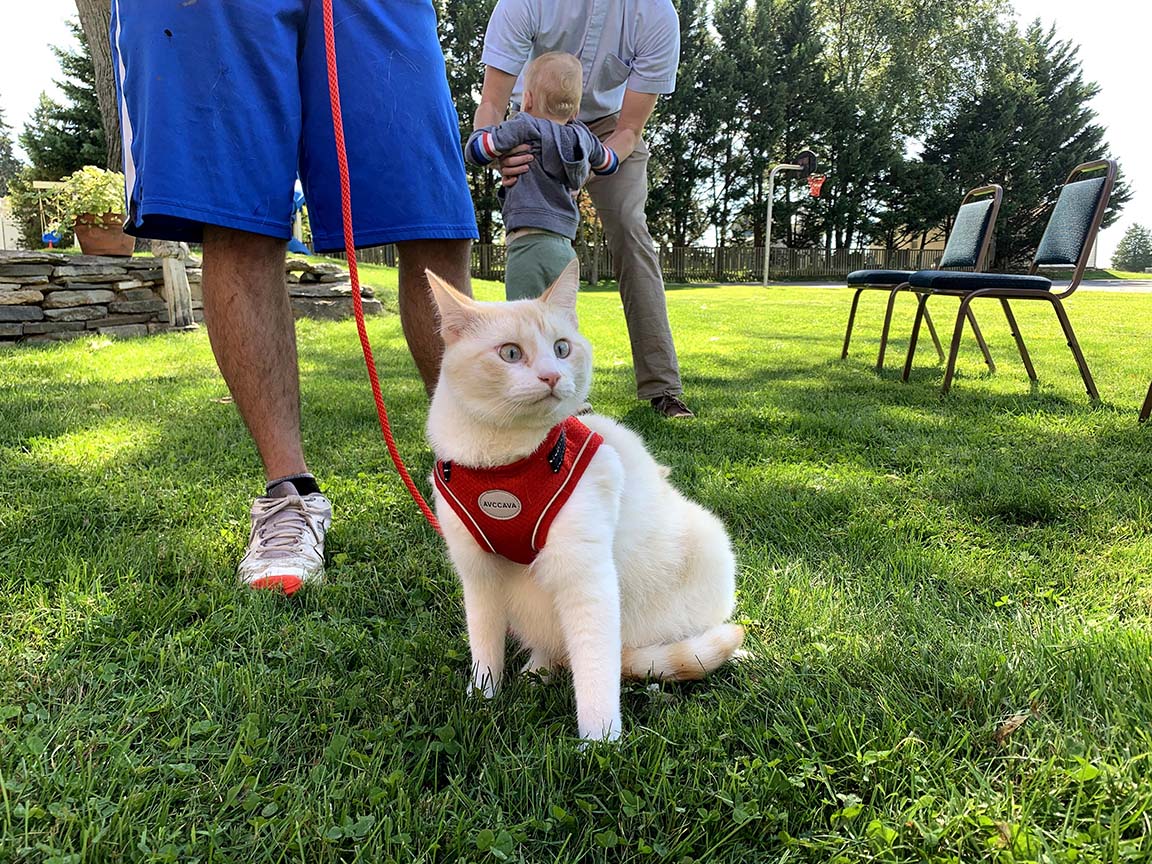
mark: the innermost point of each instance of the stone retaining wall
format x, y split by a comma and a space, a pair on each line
49, 296
322, 290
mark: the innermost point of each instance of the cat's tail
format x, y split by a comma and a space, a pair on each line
687, 660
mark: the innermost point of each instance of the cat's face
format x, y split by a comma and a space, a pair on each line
511, 363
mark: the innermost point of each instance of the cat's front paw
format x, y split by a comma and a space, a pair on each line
606, 731
482, 685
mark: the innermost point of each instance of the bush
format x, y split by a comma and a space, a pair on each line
1134, 252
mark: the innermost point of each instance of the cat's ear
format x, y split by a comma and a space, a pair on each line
457, 311
561, 294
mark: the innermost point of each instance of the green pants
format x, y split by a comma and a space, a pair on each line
534, 262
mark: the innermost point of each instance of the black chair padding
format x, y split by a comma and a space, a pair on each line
1070, 223
967, 235
878, 277
944, 280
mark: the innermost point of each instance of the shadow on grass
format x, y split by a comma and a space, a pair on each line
895, 547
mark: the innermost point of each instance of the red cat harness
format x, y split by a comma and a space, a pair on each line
510, 508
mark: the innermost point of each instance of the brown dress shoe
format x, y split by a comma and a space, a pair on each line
671, 406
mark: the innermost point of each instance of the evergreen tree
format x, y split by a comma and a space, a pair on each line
860, 150
62, 137
911, 209
1030, 125
1134, 252
753, 116
682, 135
9, 164
804, 94
772, 101
727, 178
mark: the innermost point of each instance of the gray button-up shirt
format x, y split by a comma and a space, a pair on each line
622, 44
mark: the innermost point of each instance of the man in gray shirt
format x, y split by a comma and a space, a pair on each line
629, 50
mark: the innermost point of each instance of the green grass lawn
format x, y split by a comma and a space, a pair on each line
949, 601
1101, 273
1120, 274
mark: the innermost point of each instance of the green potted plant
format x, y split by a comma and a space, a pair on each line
93, 203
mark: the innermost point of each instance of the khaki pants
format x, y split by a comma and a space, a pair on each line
619, 199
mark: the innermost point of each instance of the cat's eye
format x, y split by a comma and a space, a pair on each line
511, 353
562, 348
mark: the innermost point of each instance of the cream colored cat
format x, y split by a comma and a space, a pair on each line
634, 579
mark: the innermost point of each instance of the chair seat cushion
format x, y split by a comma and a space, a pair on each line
878, 277
945, 280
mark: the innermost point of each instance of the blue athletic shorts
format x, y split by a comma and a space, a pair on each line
223, 101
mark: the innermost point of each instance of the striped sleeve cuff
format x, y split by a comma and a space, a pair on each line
481, 148
610, 163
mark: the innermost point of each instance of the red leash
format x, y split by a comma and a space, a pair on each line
353, 273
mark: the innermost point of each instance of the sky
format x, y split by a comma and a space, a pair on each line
1112, 34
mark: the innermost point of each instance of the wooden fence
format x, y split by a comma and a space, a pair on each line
709, 263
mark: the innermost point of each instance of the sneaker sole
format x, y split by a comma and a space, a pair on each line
286, 585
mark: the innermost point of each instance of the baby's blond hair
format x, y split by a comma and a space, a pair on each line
555, 81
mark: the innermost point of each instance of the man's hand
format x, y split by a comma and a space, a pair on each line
634, 113
514, 163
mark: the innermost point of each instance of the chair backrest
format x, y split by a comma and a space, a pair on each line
1076, 219
972, 229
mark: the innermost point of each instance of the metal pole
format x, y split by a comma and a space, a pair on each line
768, 217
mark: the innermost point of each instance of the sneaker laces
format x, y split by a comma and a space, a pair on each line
279, 528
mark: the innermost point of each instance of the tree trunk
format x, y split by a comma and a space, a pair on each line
95, 18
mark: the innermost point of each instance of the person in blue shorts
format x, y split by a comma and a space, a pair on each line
221, 103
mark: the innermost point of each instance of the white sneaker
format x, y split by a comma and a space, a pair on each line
286, 545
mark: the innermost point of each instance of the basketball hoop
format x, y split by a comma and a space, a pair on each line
816, 183
805, 161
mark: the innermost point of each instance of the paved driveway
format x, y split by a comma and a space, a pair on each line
1124, 286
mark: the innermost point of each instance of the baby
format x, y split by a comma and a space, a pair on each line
540, 212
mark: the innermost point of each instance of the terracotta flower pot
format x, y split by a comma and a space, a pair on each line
104, 235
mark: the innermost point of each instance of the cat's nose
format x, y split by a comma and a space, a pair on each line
550, 378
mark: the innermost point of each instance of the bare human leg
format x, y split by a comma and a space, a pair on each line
449, 259
253, 336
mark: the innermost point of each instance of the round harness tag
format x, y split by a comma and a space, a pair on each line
498, 504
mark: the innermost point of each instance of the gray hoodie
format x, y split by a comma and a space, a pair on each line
563, 157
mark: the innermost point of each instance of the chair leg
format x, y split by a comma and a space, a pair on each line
1070, 335
1019, 339
887, 324
851, 320
920, 310
980, 340
954, 349
932, 333
1146, 411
